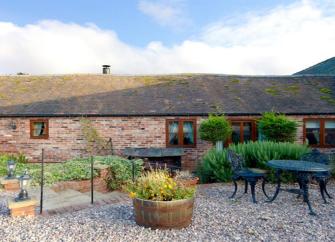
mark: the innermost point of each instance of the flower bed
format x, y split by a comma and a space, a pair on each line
100, 183
118, 171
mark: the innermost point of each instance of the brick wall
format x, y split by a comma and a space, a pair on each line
66, 139
99, 183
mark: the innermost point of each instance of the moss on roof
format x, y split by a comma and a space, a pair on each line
21, 89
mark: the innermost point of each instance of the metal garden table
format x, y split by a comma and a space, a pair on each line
303, 171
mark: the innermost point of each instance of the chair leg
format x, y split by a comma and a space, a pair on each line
325, 188
300, 187
263, 187
234, 193
252, 185
322, 189
245, 186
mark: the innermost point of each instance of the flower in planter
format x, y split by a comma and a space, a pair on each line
160, 202
157, 185
132, 194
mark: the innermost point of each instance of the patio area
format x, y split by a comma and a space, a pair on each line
216, 218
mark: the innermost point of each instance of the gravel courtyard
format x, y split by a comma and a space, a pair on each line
216, 218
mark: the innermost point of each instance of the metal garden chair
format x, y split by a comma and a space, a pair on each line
321, 177
249, 175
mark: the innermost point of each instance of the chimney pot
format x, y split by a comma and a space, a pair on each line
106, 69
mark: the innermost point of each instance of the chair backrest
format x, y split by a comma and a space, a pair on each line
236, 161
316, 156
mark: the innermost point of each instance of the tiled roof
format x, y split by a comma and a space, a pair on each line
107, 95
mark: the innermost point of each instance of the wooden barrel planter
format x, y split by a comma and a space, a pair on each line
163, 214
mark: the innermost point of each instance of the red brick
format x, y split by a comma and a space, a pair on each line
66, 138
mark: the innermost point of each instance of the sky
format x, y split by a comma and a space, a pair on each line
165, 36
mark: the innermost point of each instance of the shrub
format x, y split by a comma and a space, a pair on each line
215, 166
332, 163
157, 185
19, 159
218, 163
277, 127
120, 170
257, 154
215, 128
76, 169
205, 173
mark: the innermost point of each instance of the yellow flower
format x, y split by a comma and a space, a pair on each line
132, 194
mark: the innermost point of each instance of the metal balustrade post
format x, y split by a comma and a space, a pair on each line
42, 182
133, 169
92, 192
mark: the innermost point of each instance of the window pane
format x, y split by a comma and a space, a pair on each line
188, 133
236, 133
247, 127
39, 129
313, 132
173, 133
330, 132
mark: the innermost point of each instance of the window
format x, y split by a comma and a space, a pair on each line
312, 129
330, 133
243, 131
39, 129
181, 133
319, 132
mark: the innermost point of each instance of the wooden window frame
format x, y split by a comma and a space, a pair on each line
322, 132
242, 121
180, 132
46, 135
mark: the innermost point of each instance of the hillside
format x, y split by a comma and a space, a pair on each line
326, 67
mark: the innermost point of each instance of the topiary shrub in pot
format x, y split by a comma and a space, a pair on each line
160, 202
277, 127
215, 129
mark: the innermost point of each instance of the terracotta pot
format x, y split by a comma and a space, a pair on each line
189, 182
163, 214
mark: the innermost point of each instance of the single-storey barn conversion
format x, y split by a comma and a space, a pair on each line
162, 111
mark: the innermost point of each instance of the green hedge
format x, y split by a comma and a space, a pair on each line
215, 166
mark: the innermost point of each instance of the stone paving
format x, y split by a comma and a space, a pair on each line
70, 200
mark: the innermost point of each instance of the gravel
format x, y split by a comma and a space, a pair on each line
216, 218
